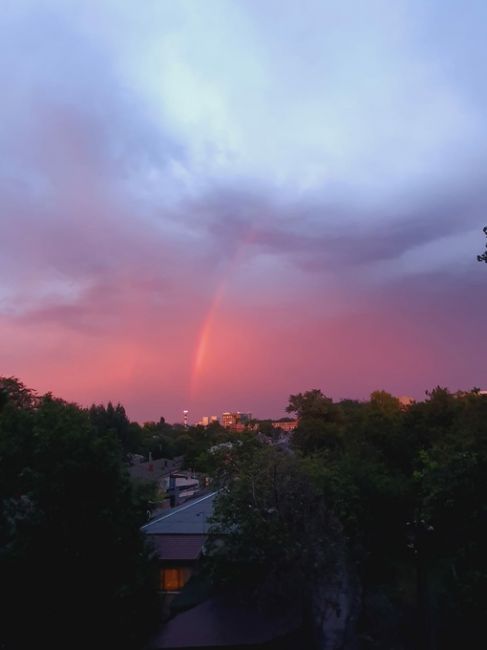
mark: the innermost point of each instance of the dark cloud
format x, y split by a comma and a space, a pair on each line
326, 237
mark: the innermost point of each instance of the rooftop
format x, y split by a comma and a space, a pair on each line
189, 519
153, 470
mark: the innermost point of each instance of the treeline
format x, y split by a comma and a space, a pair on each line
74, 568
379, 508
371, 519
158, 439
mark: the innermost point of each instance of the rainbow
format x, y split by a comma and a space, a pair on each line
204, 335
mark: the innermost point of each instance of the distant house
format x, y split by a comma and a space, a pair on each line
181, 486
153, 470
285, 425
172, 486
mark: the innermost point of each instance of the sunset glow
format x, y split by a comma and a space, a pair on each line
211, 205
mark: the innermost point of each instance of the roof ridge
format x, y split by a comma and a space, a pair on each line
179, 509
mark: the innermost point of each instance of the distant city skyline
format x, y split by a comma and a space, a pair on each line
209, 205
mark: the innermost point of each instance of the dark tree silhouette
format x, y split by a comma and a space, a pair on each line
75, 571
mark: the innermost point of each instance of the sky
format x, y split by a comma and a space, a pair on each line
211, 205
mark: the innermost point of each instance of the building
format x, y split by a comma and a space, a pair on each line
210, 620
208, 419
181, 486
236, 420
178, 538
285, 425
153, 470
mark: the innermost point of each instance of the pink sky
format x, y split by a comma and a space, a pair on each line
185, 229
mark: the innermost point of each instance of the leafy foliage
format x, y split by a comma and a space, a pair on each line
272, 532
73, 562
319, 422
395, 494
400, 490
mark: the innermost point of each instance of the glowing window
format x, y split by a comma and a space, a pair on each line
172, 579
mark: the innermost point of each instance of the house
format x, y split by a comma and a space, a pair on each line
285, 424
215, 620
178, 537
181, 486
154, 470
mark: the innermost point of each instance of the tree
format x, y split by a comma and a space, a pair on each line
16, 393
129, 434
483, 257
319, 422
452, 484
312, 404
75, 570
280, 541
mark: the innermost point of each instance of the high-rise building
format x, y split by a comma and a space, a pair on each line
233, 419
208, 419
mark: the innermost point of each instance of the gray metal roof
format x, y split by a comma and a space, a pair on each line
189, 519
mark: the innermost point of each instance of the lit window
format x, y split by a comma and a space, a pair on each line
172, 579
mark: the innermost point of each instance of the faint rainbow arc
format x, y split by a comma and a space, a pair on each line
205, 331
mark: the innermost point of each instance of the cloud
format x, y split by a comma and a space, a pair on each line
130, 200
79, 148
319, 236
